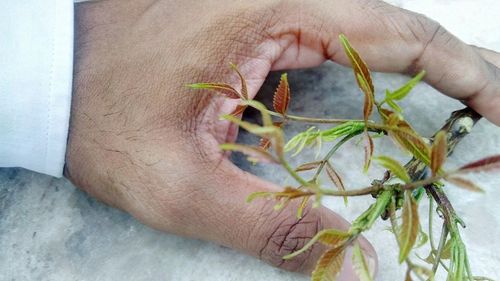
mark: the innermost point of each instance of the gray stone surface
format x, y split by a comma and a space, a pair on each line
49, 230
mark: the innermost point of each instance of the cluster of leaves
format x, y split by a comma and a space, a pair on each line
397, 195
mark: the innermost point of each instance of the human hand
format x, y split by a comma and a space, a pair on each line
140, 141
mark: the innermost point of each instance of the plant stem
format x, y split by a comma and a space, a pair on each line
330, 154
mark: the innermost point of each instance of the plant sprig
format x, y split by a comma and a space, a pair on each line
397, 195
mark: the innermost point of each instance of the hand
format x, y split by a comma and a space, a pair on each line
139, 140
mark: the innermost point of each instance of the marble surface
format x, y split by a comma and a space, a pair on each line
49, 230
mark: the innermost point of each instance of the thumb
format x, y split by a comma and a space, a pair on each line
256, 228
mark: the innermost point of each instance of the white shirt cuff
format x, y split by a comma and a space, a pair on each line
36, 71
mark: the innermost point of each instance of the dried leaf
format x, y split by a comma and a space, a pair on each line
281, 97
244, 90
329, 265
485, 164
464, 183
255, 153
402, 92
330, 237
308, 166
395, 167
409, 227
438, 152
335, 178
369, 149
221, 88
360, 265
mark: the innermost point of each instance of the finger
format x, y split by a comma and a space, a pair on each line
489, 55
256, 228
390, 39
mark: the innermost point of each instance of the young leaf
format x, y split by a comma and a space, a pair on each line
266, 131
330, 237
259, 194
360, 265
395, 167
255, 153
221, 88
438, 152
464, 183
308, 166
244, 90
238, 110
302, 205
394, 105
265, 143
369, 101
410, 226
485, 164
329, 265
369, 149
266, 117
402, 92
358, 65
335, 178
405, 136
281, 97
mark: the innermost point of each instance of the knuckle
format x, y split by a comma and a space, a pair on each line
288, 235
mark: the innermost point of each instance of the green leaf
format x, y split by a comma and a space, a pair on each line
330, 237
266, 117
360, 265
329, 265
266, 131
394, 167
410, 226
255, 153
402, 92
394, 105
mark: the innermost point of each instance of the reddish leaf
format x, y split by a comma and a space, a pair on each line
405, 136
362, 75
438, 152
410, 226
239, 110
308, 166
464, 183
369, 149
254, 153
281, 97
335, 178
265, 143
220, 88
485, 164
358, 65
329, 265
244, 90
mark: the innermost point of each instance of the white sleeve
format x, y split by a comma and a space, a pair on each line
36, 71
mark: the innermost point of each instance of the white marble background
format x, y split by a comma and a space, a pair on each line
51, 231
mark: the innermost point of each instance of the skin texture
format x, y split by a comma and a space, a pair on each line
142, 142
